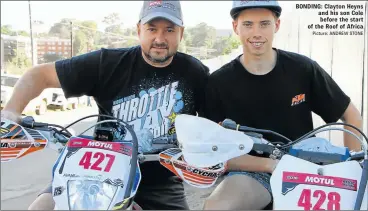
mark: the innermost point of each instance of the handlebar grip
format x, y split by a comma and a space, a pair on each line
230, 124
263, 148
358, 156
29, 122
319, 157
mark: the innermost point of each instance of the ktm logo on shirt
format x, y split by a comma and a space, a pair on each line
298, 99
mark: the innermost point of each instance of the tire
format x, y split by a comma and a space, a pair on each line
43, 108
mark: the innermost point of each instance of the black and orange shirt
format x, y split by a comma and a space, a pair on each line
282, 100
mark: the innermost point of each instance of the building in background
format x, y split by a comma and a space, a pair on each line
53, 48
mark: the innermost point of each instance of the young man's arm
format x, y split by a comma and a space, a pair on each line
352, 116
251, 163
332, 104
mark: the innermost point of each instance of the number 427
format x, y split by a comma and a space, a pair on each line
86, 161
332, 197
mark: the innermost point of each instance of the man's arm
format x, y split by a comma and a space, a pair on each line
30, 85
76, 76
352, 116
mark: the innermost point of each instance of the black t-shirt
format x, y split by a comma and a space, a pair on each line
282, 100
148, 98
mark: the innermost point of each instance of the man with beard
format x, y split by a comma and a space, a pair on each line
268, 88
146, 86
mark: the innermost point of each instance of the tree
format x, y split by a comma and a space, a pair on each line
132, 31
61, 29
224, 45
97, 40
202, 35
187, 39
234, 41
114, 28
23, 33
80, 43
182, 47
7, 29
114, 24
89, 29
19, 63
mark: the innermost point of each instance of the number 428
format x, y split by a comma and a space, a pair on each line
332, 197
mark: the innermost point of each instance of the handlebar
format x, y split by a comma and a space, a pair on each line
276, 150
49, 130
332, 154
60, 137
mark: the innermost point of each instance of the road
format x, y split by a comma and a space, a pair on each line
21, 180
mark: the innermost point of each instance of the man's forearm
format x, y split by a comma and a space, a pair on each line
251, 163
28, 87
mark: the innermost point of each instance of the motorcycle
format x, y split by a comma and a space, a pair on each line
86, 174
91, 173
312, 174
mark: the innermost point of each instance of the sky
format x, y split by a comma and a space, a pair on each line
15, 13
194, 12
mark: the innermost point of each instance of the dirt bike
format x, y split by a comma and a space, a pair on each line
319, 169
92, 173
312, 174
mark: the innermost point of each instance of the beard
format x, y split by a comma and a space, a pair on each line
159, 58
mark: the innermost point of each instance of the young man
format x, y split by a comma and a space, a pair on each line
268, 88
145, 86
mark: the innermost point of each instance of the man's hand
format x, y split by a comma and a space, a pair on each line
252, 163
13, 116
